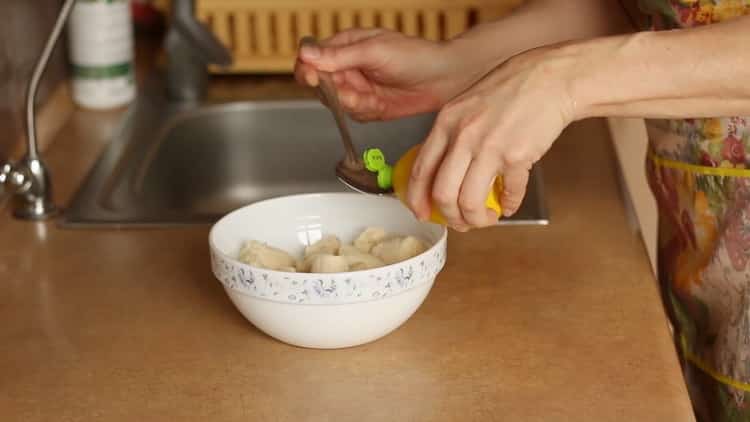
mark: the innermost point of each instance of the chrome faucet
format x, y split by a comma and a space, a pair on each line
190, 48
28, 180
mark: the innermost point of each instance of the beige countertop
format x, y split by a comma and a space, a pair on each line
524, 324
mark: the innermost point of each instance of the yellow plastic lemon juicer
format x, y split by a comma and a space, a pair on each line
397, 178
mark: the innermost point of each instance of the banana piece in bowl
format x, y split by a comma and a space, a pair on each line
263, 256
327, 245
373, 248
359, 260
397, 249
369, 238
324, 263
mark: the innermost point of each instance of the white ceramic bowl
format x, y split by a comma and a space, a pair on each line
324, 310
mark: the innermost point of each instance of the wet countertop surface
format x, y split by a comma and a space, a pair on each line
527, 323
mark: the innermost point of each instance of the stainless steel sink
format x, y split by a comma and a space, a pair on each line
172, 164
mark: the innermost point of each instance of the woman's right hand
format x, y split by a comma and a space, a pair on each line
381, 74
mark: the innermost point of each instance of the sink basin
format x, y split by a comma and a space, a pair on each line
229, 155
171, 164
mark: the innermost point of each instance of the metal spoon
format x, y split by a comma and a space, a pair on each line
350, 170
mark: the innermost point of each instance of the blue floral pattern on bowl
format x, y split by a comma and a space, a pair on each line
339, 288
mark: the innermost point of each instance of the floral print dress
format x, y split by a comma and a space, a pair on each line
699, 171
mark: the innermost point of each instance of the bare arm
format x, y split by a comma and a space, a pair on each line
700, 72
385, 75
538, 23
509, 119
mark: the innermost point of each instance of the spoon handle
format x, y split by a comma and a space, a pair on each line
327, 90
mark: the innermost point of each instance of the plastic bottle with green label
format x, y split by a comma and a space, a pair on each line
397, 177
100, 38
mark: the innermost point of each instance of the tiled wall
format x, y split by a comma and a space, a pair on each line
24, 27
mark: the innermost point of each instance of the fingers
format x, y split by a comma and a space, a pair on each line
447, 185
357, 96
306, 66
359, 105
354, 93
423, 171
515, 179
342, 55
356, 80
346, 50
457, 167
474, 190
305, 74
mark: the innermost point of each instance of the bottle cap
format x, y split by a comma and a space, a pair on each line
374, 159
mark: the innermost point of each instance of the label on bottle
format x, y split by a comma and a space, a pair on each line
100, 35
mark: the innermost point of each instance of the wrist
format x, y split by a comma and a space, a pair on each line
599, 75
554, 70
571, 64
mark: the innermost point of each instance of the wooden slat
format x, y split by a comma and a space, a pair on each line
286, 44
409, 22
257, 49
325, 23
262, 32
388, 19
220, 26
271, 64
304, 23
366, 18
346, 19
455, 22
242, 32
337, 4
431, 24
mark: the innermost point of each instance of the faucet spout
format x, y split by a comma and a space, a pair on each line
190, 48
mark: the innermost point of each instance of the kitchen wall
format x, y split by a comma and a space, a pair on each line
25, 26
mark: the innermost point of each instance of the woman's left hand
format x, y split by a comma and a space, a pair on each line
501, 126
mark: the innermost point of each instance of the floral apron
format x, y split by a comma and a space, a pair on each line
697, 169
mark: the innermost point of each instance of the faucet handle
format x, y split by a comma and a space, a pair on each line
17, 180
29, 180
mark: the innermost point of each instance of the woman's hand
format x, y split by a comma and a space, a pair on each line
381, 74
501, 126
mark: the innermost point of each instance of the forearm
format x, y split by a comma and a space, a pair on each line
701, 72
536, 23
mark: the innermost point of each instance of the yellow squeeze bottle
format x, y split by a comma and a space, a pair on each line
399, 176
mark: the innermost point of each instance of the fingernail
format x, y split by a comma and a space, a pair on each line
310, 52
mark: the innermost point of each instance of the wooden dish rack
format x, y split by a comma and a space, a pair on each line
263, 34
